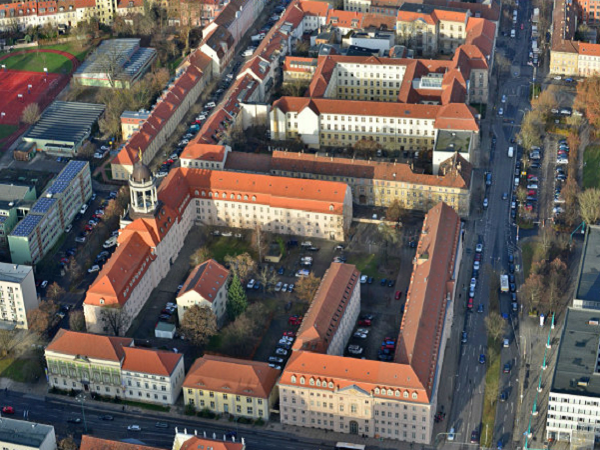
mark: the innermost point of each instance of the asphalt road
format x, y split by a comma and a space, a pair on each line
496, 231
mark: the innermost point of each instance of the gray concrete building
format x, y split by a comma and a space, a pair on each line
24, 435
587, 294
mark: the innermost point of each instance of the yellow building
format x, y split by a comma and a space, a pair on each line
564, 58
238, 387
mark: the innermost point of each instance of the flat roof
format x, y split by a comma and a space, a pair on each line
453, 141
588, 283
66, 176
577, 371
20, 432
12, 192
65, 122
14, 273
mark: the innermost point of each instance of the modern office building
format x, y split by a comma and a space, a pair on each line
241, 388
15, 202
37, 233
587, 293
18, 295
25, 435
574, 398
112, 367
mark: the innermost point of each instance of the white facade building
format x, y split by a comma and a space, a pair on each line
18, 295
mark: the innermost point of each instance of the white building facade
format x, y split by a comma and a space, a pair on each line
18, 295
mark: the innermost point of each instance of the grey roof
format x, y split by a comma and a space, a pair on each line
19, 432
577, 369
66, 122
588, 284
14, 273
11, 192
27, 225
426, 9
453, 141
66, 176
108, 53
138, 60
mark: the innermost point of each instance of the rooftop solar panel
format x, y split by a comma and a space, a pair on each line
27, 225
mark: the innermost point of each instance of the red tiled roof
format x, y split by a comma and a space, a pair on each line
326, 309
154, 362
450, 16
206, 279
107, 348
324, 197
314, 8
589, 49
410, 16
344, 19
94, 443
196, 443
233, 376
203, 152
430, 290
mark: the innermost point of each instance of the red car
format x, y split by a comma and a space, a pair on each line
470, 303
64, 260
477, 256
89, 228
8, 410
295, 320
289, 333
529, 207
532, 193
364, 323
398, 295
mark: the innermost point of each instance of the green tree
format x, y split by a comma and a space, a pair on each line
236, 299
199, 324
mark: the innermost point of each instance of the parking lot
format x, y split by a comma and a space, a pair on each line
382, 302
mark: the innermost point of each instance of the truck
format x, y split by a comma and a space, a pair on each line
503, 283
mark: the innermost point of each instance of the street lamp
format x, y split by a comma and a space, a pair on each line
81, 398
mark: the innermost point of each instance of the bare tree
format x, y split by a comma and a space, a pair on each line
116, 319
199, 324
67, 443
31, 114
77, 320
589, 206
55, 292
307, 288
494, 325
199, 256
259, 242
268, 278
16, 342
241, 265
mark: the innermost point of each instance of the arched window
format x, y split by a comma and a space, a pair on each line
232, 196
319, 383
405, 395
210, 194
302, 380
390, 392
293, 378
331, 385
224, 195
414, 395
331, 208
311, 382
377, 391
203, 194
245, 197
239, 197
254, 198
397, 393
196, 193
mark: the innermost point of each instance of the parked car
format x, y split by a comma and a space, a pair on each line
134, 428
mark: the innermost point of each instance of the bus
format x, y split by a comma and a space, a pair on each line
348, 446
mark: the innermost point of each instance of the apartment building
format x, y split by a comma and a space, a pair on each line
588, 59
392, 400
15, 202
574, 398
321, 122
204, 156
586, 295
172, 105
152, 376
376, 183
185, 441
26, 435
94, 443
18, 295
37, 233
131, 121
238, 387
112, 367
206, 286
329, 322
154, 229
298, 68
39, 13
564, 50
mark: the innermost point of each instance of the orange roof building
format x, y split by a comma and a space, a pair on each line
206, 286
355, 393
190, 442
227, 385
112, 366
94, 443
330, 319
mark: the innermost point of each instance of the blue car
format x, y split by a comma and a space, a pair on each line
482, 359
500, 444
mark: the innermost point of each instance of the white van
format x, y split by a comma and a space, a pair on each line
511, 152
512, 33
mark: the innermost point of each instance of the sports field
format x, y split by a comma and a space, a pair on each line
36, 61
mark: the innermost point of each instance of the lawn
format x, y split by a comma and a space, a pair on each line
35, 62
591, 167
492, 390
71, 47
366, 264
527, 250
7, 130
21, 370
223, 246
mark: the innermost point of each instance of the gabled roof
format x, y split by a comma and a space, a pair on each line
94, 443
203, 152
118, 277
456, 116
586, 49
107, 348
232, 376
207, 280
430, 290
344, 19
314, 8
327, 308
196, 443
152, 362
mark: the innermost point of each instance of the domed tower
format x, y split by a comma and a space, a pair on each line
142, 187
